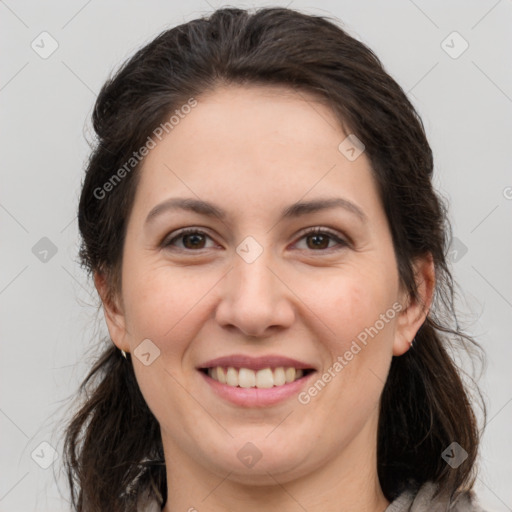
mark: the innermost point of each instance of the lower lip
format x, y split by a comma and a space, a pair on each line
256, 397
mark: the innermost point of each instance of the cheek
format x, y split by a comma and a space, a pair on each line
165, 304
360, 312
352, 300
168, 306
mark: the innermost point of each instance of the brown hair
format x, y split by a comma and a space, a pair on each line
425, 405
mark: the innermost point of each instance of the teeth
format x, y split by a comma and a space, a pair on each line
231, 377
264, 378
221, 375
246, 378
289, 374
279, 376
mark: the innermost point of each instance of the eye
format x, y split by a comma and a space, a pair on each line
195, 239
320, 239
191, 238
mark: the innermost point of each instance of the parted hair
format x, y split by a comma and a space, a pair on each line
113, 447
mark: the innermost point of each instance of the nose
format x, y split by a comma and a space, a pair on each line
255, 299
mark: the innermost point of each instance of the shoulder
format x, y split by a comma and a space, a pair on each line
412, 500
147, 503
149, 506
422, 500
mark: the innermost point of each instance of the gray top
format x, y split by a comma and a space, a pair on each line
421, 501
408, 501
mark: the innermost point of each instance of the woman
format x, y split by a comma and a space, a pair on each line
259, 219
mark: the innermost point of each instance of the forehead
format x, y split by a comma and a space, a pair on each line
246, 144
242, 116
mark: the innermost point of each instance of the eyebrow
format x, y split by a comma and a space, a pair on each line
294, 210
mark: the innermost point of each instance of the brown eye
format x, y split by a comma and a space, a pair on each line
193, 241
190, 239
319, 239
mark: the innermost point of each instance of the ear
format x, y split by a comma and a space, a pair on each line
113, 312
414, 313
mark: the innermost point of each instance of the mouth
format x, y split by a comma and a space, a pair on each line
263, 381
264, 378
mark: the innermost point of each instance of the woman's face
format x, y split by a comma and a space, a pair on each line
254, 286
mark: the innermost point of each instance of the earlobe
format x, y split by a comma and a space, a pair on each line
114, 316
415, 312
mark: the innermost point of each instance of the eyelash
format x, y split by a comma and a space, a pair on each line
313, 231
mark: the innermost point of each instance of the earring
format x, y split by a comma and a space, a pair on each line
123, 353
413, 340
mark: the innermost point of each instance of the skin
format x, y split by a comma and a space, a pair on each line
254, 150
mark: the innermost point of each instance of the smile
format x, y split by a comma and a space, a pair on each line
261, 379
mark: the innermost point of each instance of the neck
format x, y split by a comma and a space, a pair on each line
347, 482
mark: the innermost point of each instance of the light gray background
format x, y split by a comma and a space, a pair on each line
48, 315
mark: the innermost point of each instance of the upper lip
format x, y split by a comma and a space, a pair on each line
255, 363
